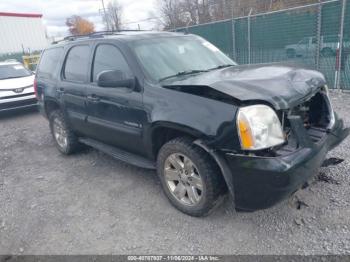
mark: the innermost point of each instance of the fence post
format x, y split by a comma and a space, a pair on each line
249, 33
319, 39
340, 48
234, 53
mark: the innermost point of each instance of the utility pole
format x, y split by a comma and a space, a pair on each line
104, 12
340, 48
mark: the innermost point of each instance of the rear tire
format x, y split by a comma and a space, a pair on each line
196, 185
65, 139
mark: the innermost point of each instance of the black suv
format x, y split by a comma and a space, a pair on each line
175, 103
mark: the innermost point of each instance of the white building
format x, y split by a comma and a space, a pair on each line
21, 32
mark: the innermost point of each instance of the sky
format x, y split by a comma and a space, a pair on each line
55, 12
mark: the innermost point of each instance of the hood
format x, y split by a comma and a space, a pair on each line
283, 86
13, 83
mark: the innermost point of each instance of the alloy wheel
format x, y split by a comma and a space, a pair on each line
60, 133
183, 179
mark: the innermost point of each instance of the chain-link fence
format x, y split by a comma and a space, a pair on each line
316, 35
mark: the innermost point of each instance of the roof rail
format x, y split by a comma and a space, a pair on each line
96, 34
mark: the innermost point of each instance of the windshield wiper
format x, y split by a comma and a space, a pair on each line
183, 73
220, 67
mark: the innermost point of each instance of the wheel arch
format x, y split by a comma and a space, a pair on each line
162, 132
50, 105
223, 166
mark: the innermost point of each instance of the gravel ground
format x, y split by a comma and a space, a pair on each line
89, 203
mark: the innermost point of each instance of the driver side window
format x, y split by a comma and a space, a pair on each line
108, 57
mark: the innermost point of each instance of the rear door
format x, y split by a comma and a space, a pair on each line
48, 72
115, 115
73, 85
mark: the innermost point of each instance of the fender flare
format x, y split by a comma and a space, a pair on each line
225, 170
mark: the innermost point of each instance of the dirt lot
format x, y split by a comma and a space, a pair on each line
89, 203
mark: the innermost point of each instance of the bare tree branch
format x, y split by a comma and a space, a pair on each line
176, 13
113, 17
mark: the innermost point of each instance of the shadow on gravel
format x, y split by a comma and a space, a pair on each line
322, 177
299, 204
18, 113
333, 161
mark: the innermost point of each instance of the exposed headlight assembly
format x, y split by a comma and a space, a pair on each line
259, 127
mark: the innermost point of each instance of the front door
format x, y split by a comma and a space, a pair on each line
115, 115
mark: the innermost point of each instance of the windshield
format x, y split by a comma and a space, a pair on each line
13, 71
162, 58
305, 40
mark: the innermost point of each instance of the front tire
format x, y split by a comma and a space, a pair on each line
190, 178
65, 139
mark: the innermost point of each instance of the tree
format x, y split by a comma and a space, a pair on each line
113, 16
79, 26
180, 13
171, 12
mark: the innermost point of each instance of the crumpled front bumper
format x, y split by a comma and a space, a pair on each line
260, 182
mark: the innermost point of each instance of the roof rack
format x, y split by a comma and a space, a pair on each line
97, 34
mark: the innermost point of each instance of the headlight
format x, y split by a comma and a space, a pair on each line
259, 127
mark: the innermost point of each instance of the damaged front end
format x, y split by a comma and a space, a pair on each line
284, 122
304, 125
261, 178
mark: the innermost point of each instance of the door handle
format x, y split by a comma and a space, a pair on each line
60, 90
93, 98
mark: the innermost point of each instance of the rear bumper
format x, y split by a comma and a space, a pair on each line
41, 107
19, 104
260, 182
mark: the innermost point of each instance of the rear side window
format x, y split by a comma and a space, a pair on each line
108, 57
49, 62
77, 63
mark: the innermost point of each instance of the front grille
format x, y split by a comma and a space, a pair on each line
317, 117
315, 112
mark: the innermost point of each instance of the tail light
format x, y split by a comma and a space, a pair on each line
35, 84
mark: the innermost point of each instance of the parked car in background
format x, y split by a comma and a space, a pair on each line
175, 103
16, 86
307, 46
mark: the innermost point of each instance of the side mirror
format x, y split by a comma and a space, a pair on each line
114, 78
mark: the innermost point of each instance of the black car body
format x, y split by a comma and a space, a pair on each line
133, 121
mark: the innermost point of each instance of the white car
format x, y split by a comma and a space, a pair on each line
16, 86
307, 46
